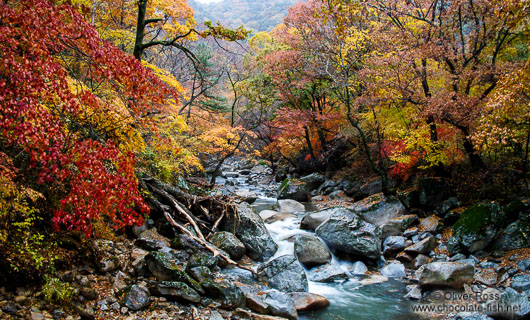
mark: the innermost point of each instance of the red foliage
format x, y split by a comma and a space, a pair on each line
401, 170
40, 44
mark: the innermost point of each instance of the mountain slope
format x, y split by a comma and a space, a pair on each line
260, 15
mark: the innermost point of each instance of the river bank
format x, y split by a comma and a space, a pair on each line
318, 253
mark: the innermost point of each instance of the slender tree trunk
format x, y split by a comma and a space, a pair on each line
525, 157
310, 146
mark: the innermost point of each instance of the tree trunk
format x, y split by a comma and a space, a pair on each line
140, 29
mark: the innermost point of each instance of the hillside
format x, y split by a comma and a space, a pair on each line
256, 15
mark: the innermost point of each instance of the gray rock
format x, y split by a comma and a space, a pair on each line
292, 188
313, 180
476, 228
108, 264
250, 229
229, 243
326, 273
413, 292
202, 259
524, 264
306, 301
200, 273
521, 282
394, 270
404, 258
510, 305
451, 274
326, 185
288, 205
430, 224
420, 260
370, 188
151, 240
228, 293
351, 235
393, 244
486, 276
447, 205
267, 214
279, 304
178, 291
285, 274
310, 251
215, 315
263, 204
514, 236
424, 246
164, 268
313, 219
358, 268
136, 298
378, 209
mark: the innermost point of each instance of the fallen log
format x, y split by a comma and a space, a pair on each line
205, 244
175, 205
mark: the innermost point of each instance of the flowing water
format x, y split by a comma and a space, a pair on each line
367, 297
382, 299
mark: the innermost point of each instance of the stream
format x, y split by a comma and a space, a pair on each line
359, 297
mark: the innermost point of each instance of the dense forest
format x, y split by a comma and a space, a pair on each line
112, 112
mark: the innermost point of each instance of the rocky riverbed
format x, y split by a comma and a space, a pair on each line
318, 249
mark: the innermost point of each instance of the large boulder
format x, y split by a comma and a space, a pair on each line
310, 251
164, 268
394, 270
394, 244
151, 240
448, 274
263, 204
273, 302
514, 236
285, 274
476, 228
351, 235
250, 229
292, 188
313, 219
378, 209
313, 180
178, 291
326, 273
396, 226
289, 205
306, 301
229, 243
228, 293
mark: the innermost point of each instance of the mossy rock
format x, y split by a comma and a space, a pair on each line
476, 228
292, 188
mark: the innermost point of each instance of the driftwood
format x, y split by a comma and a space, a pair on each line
176, 205
205, 244
215, 225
